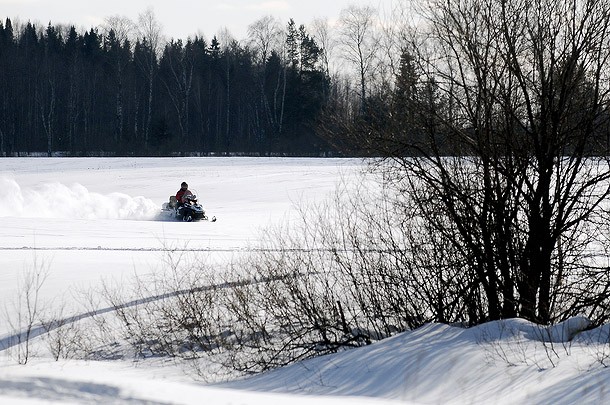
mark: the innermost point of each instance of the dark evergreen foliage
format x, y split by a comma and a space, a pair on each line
90, 94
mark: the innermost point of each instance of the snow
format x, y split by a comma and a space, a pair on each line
92, 220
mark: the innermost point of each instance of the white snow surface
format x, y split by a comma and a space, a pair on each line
94, 219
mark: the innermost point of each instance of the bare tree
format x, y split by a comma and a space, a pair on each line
517, 91
150, 31
178, 63
124, 29
396, 26
323, 35
360, 40
264, 35
27, 310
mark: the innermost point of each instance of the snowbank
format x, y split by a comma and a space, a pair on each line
502, 362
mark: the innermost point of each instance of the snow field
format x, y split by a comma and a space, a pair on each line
93, 221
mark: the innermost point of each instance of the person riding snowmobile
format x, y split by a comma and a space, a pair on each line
185, 207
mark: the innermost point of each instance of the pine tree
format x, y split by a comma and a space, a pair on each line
405, 92
215, 48
292, 45
309, 51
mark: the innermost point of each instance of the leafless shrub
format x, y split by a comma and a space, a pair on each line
349, 272
520, 342
62, 334
25, 312
354, 269
173, 311
596, 342
518, 345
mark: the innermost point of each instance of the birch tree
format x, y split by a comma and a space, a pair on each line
359, 41
150, 31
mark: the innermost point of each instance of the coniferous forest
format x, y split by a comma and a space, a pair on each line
367, 85
92, 93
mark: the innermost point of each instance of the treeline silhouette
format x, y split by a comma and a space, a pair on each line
88, 93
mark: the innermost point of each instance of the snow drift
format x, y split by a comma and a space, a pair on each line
56, 200
500, 362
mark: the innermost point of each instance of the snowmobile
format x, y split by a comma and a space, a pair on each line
190, 211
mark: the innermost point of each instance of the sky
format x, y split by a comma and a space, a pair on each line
181, 18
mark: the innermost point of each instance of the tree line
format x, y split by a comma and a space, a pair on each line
105, 92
